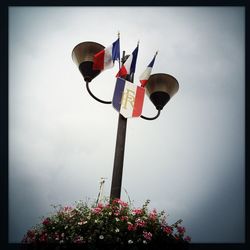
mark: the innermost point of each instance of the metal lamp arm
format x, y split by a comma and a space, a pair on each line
96, 98
151, 118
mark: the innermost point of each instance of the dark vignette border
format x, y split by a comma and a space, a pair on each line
4, 97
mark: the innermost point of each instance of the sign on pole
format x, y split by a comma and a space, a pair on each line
128, 98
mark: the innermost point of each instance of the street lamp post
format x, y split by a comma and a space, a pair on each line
160, 88
115, 191
116, 184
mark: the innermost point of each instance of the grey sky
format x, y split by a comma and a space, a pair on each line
189, 162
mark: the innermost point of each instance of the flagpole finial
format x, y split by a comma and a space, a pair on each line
138, 42
157, 51
118, 33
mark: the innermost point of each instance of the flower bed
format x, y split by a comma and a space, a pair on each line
114, 225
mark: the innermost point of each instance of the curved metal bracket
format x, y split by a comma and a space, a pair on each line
151, 118
96, 98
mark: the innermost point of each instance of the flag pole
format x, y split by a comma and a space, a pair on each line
116, 184
118, 34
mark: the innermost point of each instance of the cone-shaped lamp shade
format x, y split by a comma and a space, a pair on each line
160, 88
82, 56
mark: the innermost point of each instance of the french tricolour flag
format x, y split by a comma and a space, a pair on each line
128, 68
146, 74
128, 98
105, 58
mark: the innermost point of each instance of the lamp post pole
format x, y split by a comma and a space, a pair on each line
116, 184
160, 88
119, 158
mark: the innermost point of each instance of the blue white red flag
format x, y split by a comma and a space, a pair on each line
146, 74
128, 68
128, 98
105, 59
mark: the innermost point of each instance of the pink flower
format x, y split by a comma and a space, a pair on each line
152, 216
116, 200
168, 230
147, 235
107, 205
131, 227
46, 222
122, 203
181, 230
137, 211
100, 205
123, 218
140, 223
96, 210
187, 238
116, 213
43, 237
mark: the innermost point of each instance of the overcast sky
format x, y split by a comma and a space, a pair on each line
189, 162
